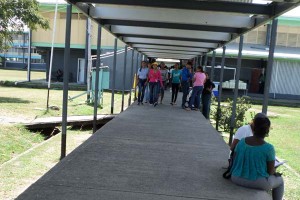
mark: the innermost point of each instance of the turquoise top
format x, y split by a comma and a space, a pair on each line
176, 76
250, 162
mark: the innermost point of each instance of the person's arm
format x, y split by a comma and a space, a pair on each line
233, 144
271, 161
271, 167
137, 77
212, 85
194, 78
237, 137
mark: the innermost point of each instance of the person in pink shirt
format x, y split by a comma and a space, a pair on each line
154, 79
198, 82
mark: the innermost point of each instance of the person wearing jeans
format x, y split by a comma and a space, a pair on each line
186, 75
142, 81
147, 90
254, 161
164, 77
175, 79
198, 81
154, 79
206, 96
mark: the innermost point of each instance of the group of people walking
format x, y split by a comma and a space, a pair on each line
153, 81
253, 159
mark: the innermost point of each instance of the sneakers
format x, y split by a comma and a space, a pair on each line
171, 103
188, 109
155, 104
142, 103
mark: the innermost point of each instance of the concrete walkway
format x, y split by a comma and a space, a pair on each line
162, 153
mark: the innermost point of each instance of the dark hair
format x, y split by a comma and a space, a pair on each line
189, 63
261, 127
200, 68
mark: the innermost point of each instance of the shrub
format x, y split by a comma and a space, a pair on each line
242, 105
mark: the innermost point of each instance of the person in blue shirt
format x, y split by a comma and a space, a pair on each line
175, 79
142, 75
186, 76
254, 161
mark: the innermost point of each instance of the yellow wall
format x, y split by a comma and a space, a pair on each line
78, 32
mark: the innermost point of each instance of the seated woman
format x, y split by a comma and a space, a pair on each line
254, 161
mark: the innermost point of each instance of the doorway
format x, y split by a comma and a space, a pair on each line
81, 70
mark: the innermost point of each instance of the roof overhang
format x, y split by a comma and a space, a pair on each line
180, 29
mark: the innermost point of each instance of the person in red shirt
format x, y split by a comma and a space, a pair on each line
154, 79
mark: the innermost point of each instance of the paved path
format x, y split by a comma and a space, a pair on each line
162, 153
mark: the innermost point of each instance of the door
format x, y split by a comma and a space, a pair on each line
80, 70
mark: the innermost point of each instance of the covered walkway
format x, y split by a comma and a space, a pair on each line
145, 153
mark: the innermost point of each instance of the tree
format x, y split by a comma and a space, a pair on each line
15, 15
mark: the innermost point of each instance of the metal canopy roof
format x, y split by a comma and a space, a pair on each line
180, 29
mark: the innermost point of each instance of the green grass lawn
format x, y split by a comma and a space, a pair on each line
20, 173
20, 75
285, 136
27, 103
15, 140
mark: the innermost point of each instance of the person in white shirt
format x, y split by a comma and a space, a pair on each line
245, 131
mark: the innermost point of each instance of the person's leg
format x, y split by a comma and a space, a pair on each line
140, 91
198, 90
151, 87
277, 185
274, 183
205, 105
162, 92
184, 87
148, 94
173, 93
208, 105
199, 97
193, 98
143, 90
176, 92
156, 89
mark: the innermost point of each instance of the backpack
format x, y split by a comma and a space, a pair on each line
227, 173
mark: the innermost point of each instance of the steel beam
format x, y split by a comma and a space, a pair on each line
171, 43
205, 60
114, 77
171, 38
236, 89
220, 88
142, 48
29, 56
216, 6
136, 69
66, 81
168, 51
125, 30
270, 66
132, 77
213, 63
96, 93
124, 77
148, 24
